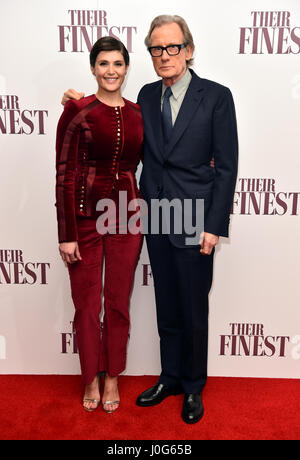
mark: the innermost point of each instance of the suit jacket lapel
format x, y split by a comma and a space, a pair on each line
191, 101
156, 123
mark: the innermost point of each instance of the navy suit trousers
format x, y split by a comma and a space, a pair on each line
182, 281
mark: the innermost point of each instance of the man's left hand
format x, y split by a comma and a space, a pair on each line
207, 242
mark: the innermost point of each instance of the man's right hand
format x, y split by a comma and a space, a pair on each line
71, 94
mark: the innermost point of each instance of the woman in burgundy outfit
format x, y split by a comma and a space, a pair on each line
98, 145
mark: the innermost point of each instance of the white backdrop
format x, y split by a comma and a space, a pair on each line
254, 303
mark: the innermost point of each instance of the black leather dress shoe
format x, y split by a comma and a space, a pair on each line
157, 394
193, 409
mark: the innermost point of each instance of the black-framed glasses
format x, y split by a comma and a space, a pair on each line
172, 50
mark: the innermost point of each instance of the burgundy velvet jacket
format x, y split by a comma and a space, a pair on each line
98, 148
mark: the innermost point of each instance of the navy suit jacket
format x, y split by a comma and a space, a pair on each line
205, 128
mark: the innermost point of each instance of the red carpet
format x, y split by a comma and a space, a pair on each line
49, 408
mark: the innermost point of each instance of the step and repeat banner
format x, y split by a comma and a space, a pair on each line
251, 46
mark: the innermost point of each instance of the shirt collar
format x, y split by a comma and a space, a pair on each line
180, 86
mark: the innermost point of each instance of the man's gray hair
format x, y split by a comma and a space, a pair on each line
169, 19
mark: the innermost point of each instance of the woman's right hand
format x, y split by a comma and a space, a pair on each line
69, 252
71, 94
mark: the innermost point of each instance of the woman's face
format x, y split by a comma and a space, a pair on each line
110, 70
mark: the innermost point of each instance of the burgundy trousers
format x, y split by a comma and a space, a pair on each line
107, 267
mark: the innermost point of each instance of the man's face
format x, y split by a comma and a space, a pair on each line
170, 68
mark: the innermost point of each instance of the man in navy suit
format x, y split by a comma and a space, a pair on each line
187, 122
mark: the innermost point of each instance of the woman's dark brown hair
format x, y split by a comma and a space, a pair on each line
108, 44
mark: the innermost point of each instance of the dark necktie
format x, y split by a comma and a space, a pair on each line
167, 115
